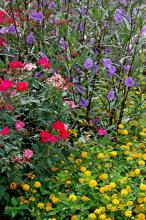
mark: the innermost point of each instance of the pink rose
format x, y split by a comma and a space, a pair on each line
72, 104
9, 107
30, 66
19, 125
12, 93
54, 139
102, 131
28, 153
18, 159
5, 131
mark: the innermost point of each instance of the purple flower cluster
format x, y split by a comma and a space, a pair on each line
11, 30
38, 16
80, 90
38, 75
129, 82
83, 11
63, 43
118, 17
107, 63
84, 103
124, 2
127, 68
95, 120
111, 95
30, 38
81, 26
88, 64
51, 5
143, 30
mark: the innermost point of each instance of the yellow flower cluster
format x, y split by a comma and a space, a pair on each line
102, 179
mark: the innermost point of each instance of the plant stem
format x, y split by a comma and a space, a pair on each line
18, 39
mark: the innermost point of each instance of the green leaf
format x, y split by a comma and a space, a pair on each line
2, 191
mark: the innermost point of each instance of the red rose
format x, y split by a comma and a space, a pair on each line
45, 136
22, 86
54, 139
58, 125
5, 131
16, 64
64, 134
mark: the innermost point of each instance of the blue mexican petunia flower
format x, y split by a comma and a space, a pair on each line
30, 38
84, 103
111, 95
129, 82
38, 16
88, 63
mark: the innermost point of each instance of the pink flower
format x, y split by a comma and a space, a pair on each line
44, 62
12, 93
9, 107
72, 104
5, 131
19, 125
54, 139
28, 153
30, 66
102, 131
19, 159
66, 126
5, 85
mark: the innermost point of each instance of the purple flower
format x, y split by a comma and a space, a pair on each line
134, 11
4, 30
96, 51
112, 71
51, 5
80, 90
75, 80
83, 11
30, 38
88, 63
107, 51
107, 63
63, 43
124, 2
118, 17
77, 69
45, 2
111, 95
143, 30
84, 103
95, 67
38, 75
127, 67
38, 16
81, 27
95, 120
12, 29
129, 82
106, 24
